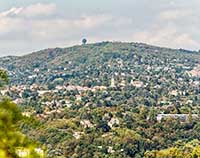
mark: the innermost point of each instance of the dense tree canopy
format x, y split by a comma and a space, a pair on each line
11, 139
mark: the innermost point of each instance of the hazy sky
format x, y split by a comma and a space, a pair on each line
29, 25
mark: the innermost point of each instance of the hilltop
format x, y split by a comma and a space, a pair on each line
93, 61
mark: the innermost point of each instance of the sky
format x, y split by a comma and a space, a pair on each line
31, 25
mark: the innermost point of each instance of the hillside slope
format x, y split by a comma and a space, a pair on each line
109, 99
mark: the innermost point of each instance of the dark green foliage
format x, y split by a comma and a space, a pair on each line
3, 78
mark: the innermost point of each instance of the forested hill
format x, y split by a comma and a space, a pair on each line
109, 99
95, 64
